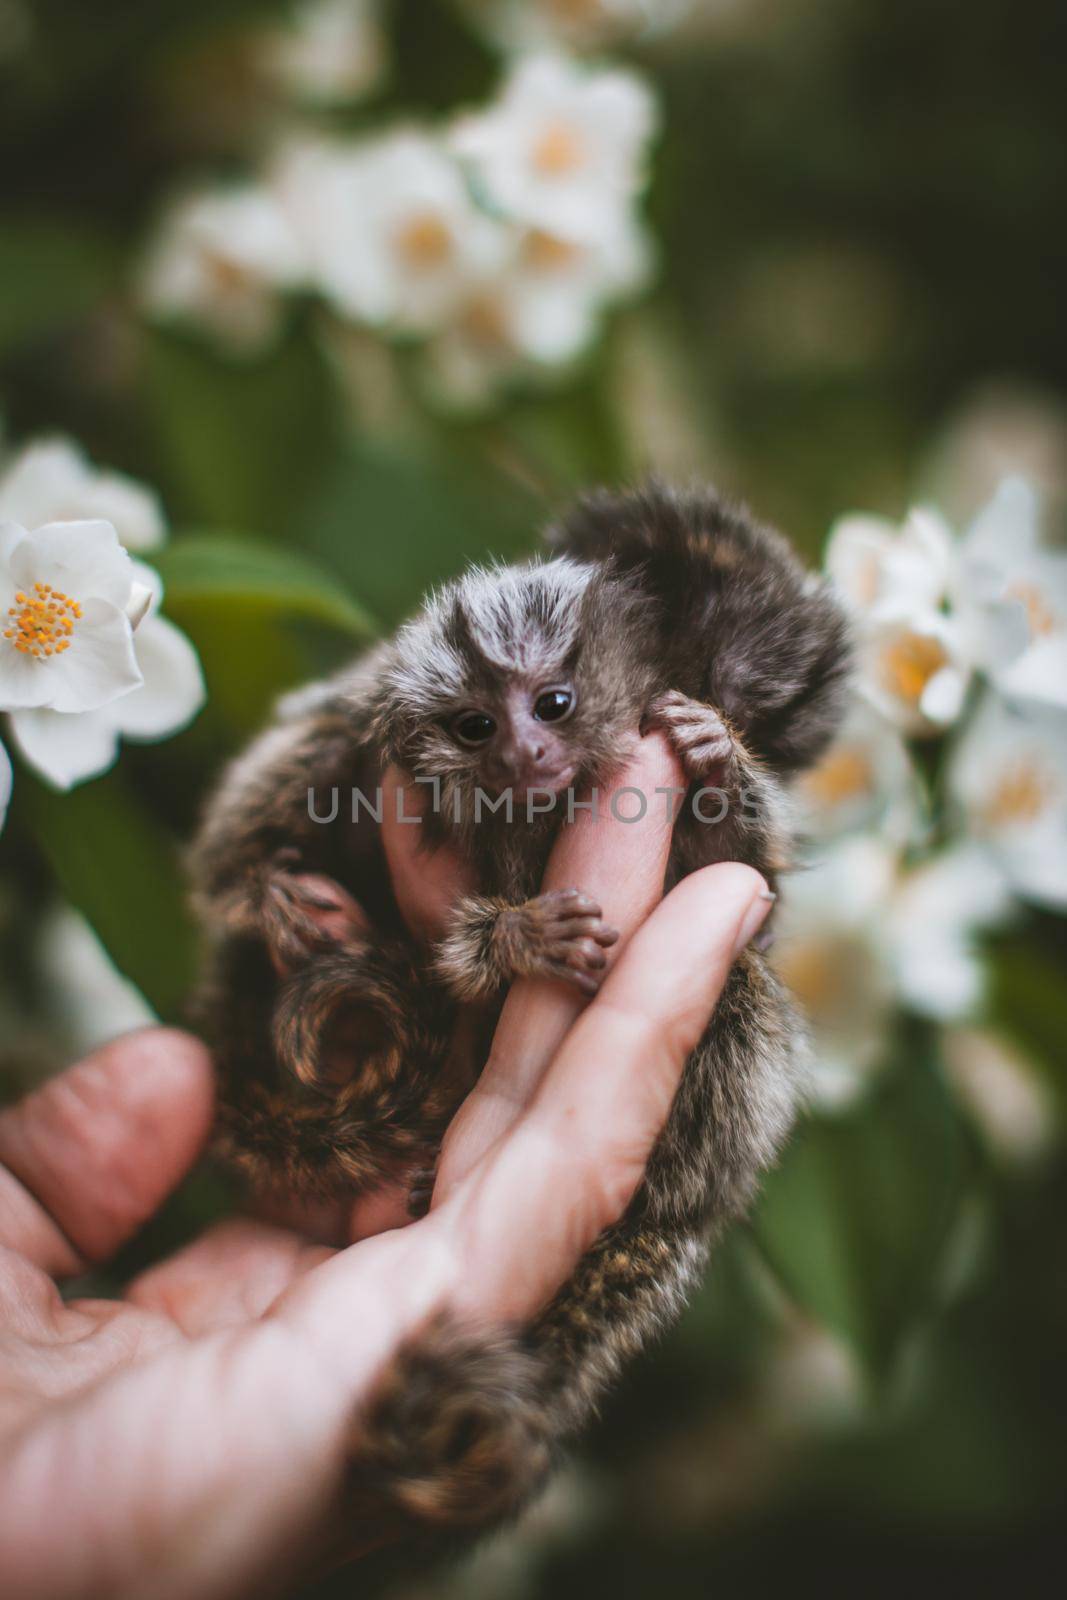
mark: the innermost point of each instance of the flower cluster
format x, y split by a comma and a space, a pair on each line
496, 241
85, 656
962, 637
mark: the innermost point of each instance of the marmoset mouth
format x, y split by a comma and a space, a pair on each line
544, 783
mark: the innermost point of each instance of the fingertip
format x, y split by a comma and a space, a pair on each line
167, 1067
719, 886
656, 760
677, 961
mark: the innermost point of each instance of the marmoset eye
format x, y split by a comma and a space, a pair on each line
553, 705
473, 727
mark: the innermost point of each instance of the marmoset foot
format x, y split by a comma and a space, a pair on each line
559, 934
305, 913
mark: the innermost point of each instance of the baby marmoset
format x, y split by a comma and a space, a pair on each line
671, 609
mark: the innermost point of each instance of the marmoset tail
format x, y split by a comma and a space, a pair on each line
338, 1061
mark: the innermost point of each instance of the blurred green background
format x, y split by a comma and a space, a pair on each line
858, 211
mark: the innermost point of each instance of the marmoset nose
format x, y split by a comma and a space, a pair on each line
521, 761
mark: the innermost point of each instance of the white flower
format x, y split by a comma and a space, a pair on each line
542, 310
1013, 591
65, 639
69, 749
1008, 779
392, 234
563, 149
864, 780
828, 953
930, 927
860, 933
557, 288
914, 669
220, 260
931, 610
880, 569
5, 784
913, 664
326, 51
53, 481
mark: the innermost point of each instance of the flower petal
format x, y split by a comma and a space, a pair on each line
134, 511
11, 534
942, 699
100, 664
66, 749
84, 559
143, 573
51, 480
173, 688
41, 484
1040, 672
24, 681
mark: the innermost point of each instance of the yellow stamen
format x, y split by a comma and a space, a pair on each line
425, 242
842, 775
814, 971
558, 151
226, 276
909, 664
1020, 796
545, 253
42, 621
1041, 618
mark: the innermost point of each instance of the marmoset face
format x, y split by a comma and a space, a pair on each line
519, 737
514, 679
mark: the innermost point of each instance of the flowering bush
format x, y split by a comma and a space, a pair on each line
498, 240
962, 640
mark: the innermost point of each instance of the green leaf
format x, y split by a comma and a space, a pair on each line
245, 576
1026, 982
51, 274
242, 440
116, 864
857, 1219
396, 519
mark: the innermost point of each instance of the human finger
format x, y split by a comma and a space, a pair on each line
91, 1154
619, 859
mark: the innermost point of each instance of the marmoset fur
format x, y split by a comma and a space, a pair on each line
653, 608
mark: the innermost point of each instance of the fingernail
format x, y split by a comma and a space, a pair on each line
753, 919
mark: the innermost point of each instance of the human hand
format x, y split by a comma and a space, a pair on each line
191, 1438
